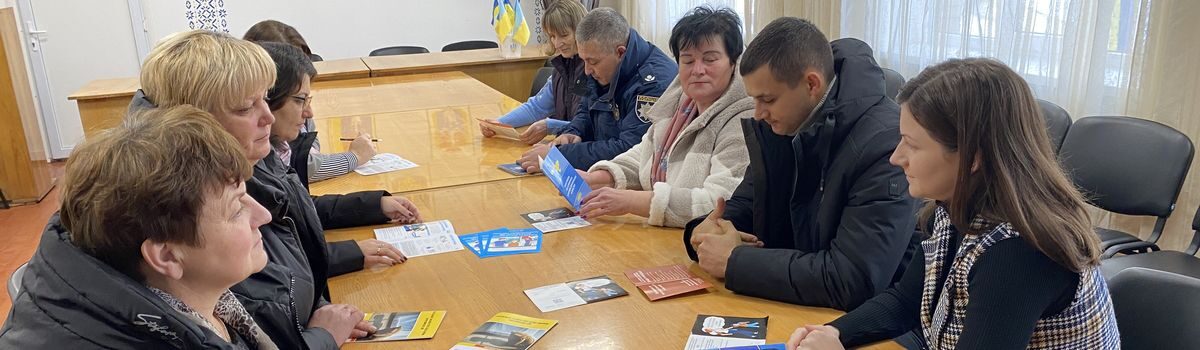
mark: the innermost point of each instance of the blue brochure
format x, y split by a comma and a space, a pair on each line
503, 241
563, 176
509, 242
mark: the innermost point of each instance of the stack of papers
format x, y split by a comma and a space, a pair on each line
503, 241
666, 281
403, 325
714, 332
555, 220
565, 179
384, 163
421, 239
506, 331
560, 296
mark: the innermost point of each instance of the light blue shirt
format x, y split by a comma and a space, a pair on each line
539, 107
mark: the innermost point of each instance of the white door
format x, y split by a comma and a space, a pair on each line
71, 43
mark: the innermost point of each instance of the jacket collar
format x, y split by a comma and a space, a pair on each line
858, 86
637, 50
267, 187
71, 282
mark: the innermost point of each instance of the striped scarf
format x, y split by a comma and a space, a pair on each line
1087, 323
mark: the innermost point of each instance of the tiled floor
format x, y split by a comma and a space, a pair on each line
21, 229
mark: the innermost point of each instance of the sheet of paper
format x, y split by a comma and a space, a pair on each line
554, 297
507, 331
779, 346
384, 163
555, 220
714, 332
421, 239
403, 325
505, 131
666, 281
574, 293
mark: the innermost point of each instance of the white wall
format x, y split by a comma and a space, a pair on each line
84, 41
93, 39
343, 29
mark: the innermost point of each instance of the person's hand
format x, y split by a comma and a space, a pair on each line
566, 139
363, 148
529, 160
610, 201
536, 132
815, 337
339, 320
399, 209
487, 132
714, 247
711, 226
362, 329
380, 253
597, 179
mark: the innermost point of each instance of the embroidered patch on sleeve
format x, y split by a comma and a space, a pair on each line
643, 107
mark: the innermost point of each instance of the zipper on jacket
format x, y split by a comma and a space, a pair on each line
292, 302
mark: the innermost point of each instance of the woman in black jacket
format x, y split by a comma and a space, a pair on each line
155, 227
290, 101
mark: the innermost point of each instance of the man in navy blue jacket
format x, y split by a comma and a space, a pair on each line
627, 75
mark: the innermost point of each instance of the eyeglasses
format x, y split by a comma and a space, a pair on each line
304, 100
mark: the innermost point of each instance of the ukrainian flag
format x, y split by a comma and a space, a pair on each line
508, 18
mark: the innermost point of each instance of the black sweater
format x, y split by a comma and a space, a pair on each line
1012, 286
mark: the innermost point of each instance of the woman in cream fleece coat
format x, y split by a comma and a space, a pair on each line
694, 152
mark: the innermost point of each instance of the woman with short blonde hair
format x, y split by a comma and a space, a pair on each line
230, 78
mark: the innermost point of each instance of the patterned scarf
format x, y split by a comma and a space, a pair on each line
686, 113
1087, 323
230, 311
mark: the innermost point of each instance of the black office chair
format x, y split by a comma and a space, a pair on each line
540, 79
315, 58
1058, 121
892, 81
1127, 166
1184, 263
398, 50
14, 282
1156, 309
470, 45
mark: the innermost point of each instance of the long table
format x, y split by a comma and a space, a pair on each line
429, 119
471, 289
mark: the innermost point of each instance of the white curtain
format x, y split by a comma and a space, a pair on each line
1092, 57
1076, 53
653, 19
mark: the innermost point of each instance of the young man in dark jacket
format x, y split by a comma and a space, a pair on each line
834, 218
627, 74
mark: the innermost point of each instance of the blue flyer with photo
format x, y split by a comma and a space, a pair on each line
563, 176
503, 241
509, 241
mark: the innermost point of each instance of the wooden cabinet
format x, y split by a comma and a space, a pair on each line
25, 174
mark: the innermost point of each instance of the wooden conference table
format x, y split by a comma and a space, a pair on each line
471, 289
429, 119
